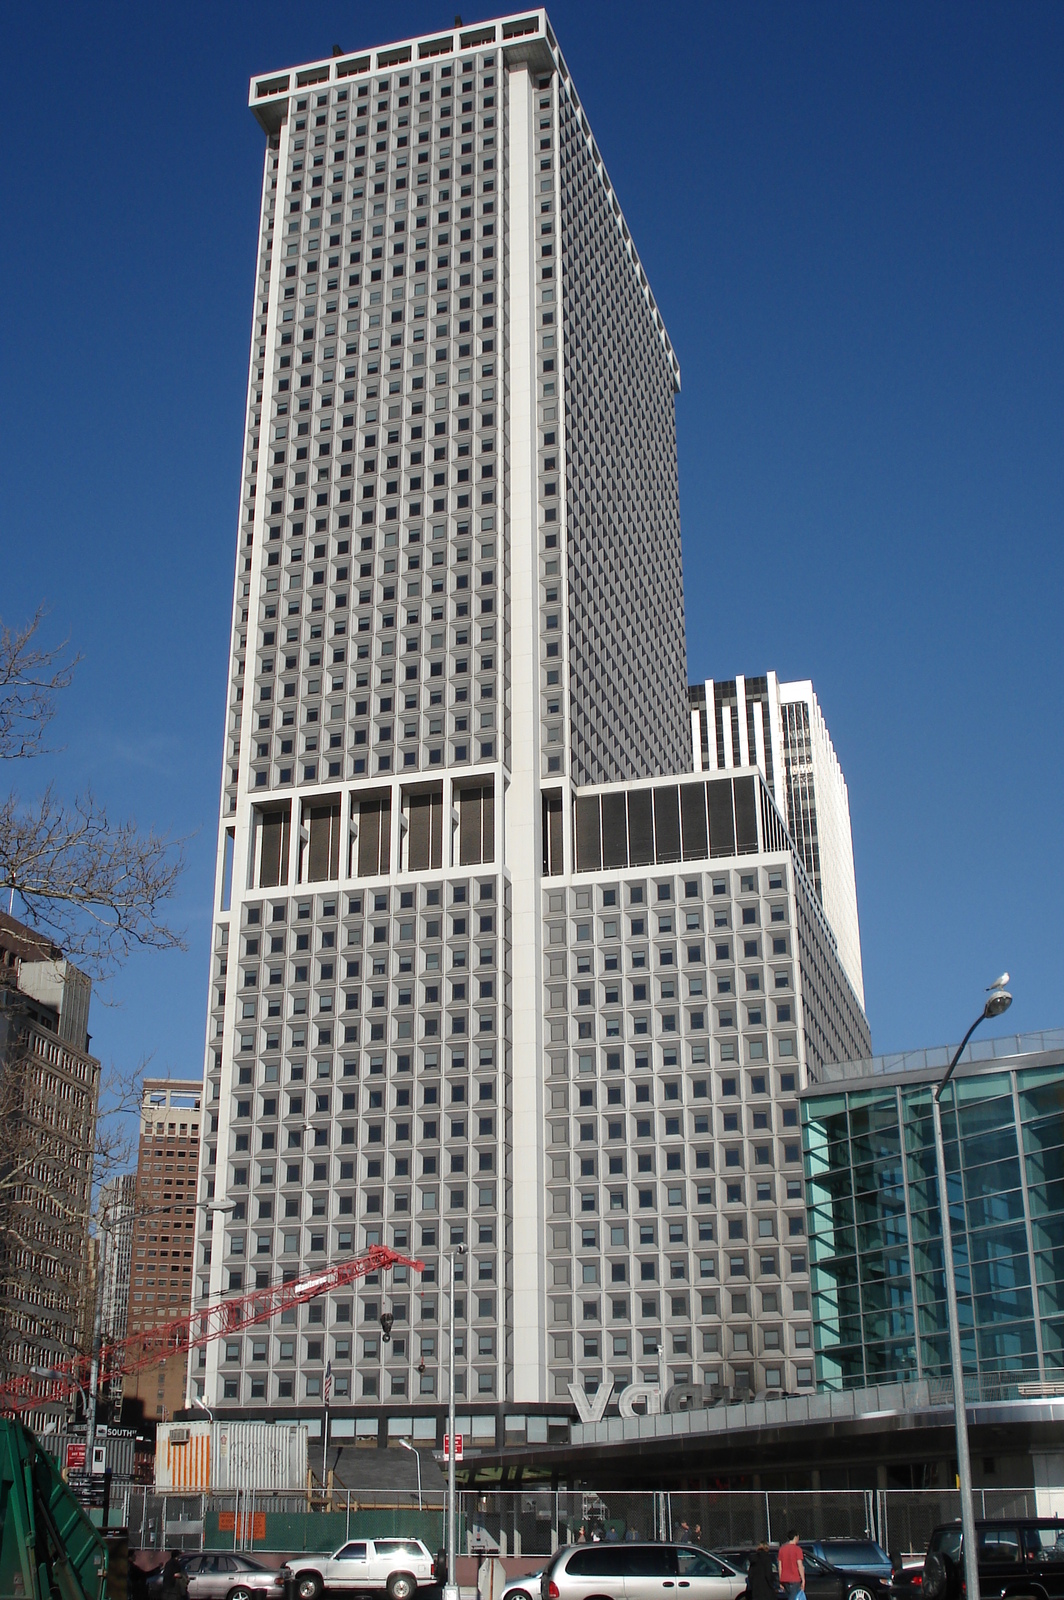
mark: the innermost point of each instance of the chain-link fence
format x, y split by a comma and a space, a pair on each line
535, 1523
905, 1517
259, 1520
532, 1523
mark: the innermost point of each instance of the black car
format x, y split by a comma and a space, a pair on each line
1017, 1556
823, 1581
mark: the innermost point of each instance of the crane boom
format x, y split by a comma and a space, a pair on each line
222, 1317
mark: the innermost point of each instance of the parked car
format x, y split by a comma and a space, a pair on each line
397, 1567
638, 1572
823, 1580
907, 1580
224, 1577
526, 1588
1017, 1556
852, 1555
738, 1555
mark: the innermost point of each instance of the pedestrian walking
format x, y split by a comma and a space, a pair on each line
175, 1579
761, 1576
698, 1533
792, 1566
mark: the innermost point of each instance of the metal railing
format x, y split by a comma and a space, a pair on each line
989, 1387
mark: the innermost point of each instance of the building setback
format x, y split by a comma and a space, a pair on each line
49, 1088
780, 728
163, 1232
492, 965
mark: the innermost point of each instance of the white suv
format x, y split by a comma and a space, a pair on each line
398, 1567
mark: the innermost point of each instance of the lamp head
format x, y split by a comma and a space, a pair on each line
998, 1001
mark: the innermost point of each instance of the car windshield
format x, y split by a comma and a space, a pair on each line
844, 1551
245, 1564
739, 1560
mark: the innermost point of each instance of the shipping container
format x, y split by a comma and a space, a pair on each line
230, 1455
68, 1450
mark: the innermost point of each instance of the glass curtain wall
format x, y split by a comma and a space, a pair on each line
875, 1230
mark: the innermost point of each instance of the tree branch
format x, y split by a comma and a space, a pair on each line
97, 887
30, 679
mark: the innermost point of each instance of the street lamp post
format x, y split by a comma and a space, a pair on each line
450, 1590
998, 1001
58, 1375
415, 1452
210, 1209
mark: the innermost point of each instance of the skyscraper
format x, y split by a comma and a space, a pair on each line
162, 1231
780, 728
115, 1209
467, 886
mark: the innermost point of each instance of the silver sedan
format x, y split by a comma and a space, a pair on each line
231, 1577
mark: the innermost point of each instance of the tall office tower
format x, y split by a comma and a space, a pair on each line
49, 1089
458, 611
163, 1232
780, 728
115, 1209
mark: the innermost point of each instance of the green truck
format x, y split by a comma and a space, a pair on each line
49, 1549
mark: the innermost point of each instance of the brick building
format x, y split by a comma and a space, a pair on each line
163, 1231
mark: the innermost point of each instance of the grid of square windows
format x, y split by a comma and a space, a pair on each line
674, 1200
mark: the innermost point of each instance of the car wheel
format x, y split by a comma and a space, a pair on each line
308, 1585
401, 1586
936, 1575
241, 1592
519, 1594
859, 1592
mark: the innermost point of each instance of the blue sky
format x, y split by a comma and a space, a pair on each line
851, 217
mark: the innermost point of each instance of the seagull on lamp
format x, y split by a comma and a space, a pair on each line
998, 997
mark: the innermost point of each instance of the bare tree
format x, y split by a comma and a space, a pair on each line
98, 886
30, 679
90, 888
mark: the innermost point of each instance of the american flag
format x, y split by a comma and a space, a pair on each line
328, 1383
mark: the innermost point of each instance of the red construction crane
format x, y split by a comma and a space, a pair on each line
214, 1321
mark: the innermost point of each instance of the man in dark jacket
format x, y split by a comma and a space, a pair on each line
175, 1579
761, 1583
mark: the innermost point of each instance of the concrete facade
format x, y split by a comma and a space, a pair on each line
490, 964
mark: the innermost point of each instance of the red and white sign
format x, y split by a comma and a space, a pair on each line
457, 1447
75, 1457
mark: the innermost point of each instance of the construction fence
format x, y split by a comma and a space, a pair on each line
532, 1523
